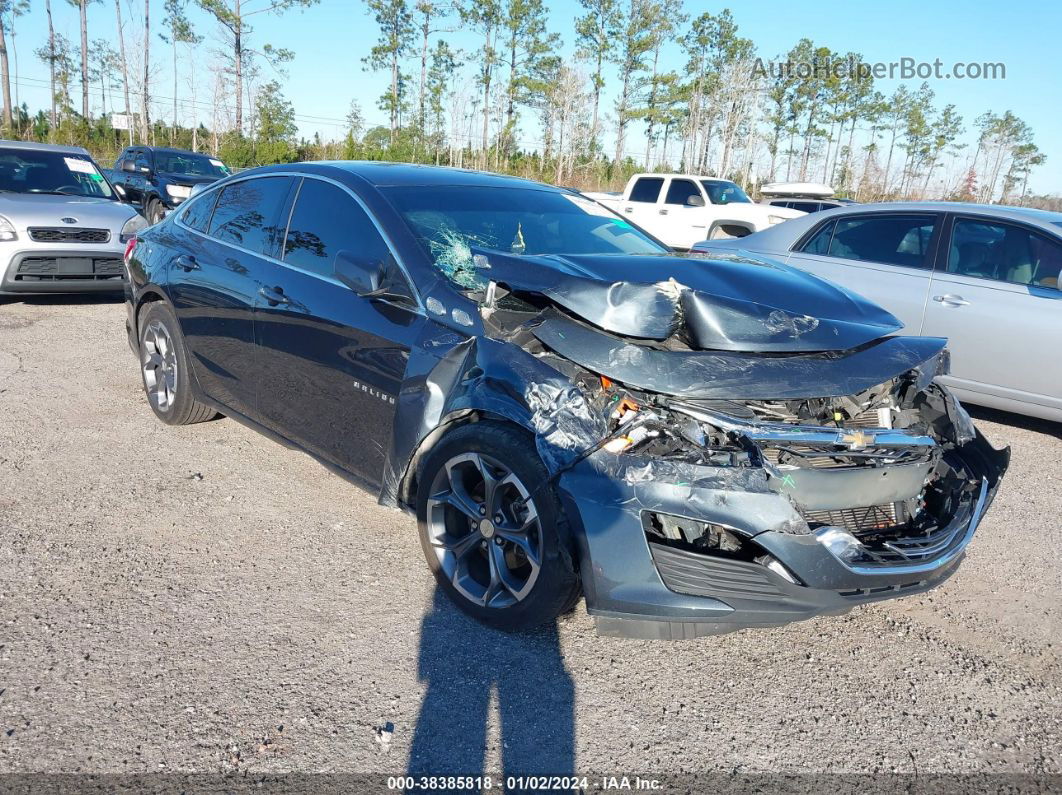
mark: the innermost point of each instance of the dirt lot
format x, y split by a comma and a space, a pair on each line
201, 599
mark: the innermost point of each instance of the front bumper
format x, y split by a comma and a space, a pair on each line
637, 587
44, 270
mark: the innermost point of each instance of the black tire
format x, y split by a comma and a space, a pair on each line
153, 212
554, 589
178, 406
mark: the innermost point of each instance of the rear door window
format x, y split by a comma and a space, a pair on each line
647, 189
196, 214
900, 239
820, 241
246, 213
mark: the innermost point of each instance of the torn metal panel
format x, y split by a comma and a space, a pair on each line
733, 375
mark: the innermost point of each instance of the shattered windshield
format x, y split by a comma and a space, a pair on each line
450, 220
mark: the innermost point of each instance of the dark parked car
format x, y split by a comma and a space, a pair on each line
566, 407
159, 179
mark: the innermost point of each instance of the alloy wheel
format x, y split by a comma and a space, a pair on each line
159, 365
485, 530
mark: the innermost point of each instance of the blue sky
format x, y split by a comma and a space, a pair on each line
330, 40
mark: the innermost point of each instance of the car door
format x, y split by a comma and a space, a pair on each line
215, 275
682, 213
120, 175
330, 362
995, 297
139, 178
886, 257
641, 205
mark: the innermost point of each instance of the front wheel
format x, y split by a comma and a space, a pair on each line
154, 211
493, 530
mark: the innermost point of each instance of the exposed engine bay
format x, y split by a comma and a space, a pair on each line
876, 466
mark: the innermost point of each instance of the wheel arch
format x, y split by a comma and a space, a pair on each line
729, 224
406, 490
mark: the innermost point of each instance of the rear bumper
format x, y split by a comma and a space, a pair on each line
637, 587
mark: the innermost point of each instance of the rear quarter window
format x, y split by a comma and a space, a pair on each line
197, 212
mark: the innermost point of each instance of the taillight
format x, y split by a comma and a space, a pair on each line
129, 249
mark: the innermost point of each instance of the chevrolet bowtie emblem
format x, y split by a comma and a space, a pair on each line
855, 440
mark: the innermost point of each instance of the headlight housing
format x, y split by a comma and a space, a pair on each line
7, 230
179, 191
131, 227
775, 219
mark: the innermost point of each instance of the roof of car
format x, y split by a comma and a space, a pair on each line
684, 176
995, 210
170, 149
385, 174
39, 147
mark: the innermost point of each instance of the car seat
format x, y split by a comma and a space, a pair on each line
1017, 259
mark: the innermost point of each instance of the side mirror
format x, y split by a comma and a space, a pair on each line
695, 201
367, 278
357, 273
119, 191
129, 166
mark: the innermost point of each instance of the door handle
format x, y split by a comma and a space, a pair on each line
663, 212
951, 300
628, 209
274, 296
186, 262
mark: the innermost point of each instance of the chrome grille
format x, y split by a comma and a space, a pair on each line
51, 234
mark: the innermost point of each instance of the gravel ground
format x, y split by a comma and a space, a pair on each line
201, 599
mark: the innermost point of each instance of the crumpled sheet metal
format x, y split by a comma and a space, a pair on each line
734, 304
449, 375
720, 375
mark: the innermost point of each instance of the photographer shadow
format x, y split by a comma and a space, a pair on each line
464, 663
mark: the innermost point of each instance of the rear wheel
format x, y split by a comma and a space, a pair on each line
493, 530
165, 369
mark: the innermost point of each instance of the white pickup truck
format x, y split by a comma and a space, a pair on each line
681, 209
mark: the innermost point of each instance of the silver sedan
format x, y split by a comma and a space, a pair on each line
984, 276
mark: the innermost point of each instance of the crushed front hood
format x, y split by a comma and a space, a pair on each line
727, 303
736, 375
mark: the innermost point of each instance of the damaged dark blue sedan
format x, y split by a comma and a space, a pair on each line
694, 445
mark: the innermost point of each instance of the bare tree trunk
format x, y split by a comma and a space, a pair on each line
145, 117
5, 79
51, 58
83, 8
237, 52
173, 132
195, 109
888, 164
14, 54
425, 30
125, 63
